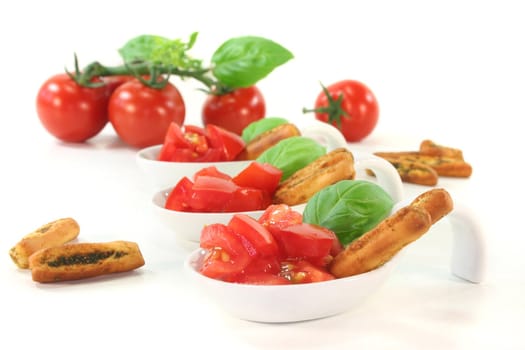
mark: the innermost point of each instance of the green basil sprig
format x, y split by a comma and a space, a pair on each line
349, 208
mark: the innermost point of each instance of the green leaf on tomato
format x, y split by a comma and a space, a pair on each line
257, 127
243, 61
160, 50
349, 208
292, 154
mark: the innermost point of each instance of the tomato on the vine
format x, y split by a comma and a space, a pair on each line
350, 106
141, 115
235, 110
71, 112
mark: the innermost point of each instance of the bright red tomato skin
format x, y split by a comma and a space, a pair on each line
360, 104
235, 110
70, 112
141, 115
265, 177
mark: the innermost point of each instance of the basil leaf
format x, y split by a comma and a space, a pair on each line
349, 208
160, 50
259, 126
292, 154
243, 61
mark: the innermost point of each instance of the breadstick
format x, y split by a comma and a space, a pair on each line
84, 260
324, 171
413, 172
52, 234
444, 166
437, 202
267, 139
380, 244
430, 148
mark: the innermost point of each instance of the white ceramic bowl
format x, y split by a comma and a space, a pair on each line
292, 303
166, 174
287, 303
188, 225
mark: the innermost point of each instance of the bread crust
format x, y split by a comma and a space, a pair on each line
84, 260
379, 245
430, 148
437, 202
267, 139
413, 172
444, 166
326, 170
52, 234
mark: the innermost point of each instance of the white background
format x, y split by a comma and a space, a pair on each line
451, 71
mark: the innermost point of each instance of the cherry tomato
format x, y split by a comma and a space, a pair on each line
141, 115
71, 112
235, 110
355, 114
114, 81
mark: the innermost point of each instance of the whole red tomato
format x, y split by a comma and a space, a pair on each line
141, 115
350, 106
235, 110
71, 112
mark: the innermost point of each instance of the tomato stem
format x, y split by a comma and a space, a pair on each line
141, 69
334, 109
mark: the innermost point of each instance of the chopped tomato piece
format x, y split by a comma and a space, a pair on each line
259, 238
195, 144
305, 241
212, 171
180, 196
280, 216
227, 256
262, 278
230, 143
212, 194
249, 199
302, 271
263, 176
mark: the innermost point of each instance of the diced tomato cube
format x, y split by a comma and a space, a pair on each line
305, 241
263, 176
302, 271
230, 143
279, 216
257, 235
180, 196
261, 278
227, 256
212, 171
